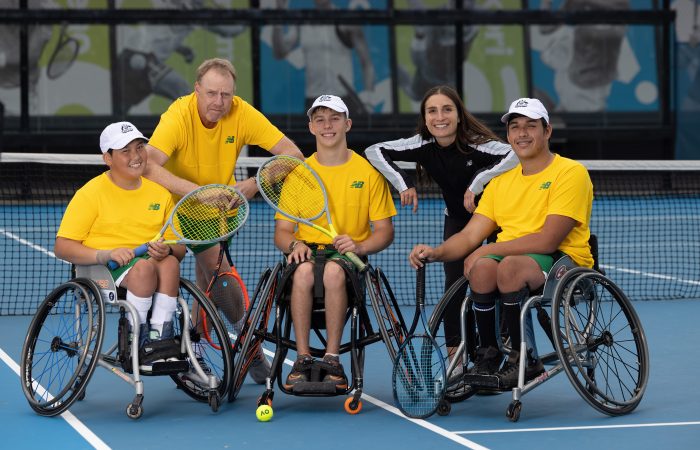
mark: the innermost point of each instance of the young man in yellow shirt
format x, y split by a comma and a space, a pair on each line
361, 208
543, 207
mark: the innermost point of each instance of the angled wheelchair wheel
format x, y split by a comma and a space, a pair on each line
600, 341
254, 328
386, 309
62, 346
210, 342
436, 324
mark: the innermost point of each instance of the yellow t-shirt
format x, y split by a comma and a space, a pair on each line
104, 216
357, 195
520, 204
203, 155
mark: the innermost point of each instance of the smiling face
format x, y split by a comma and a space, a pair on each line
528, 137
215, 91
329, 127
127, 164
441, 118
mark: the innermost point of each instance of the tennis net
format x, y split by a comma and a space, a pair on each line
646, 215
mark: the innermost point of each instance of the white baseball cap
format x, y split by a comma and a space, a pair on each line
530, 107
329, 101
118, 135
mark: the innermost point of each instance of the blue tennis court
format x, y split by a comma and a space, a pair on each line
641, 242
553, 415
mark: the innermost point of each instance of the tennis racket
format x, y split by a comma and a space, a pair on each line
229, 294
64, 54
296, 191
418, 376
209, 214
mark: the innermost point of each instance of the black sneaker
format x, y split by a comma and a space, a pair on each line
508, 375
336, 375
488, 360
300, 371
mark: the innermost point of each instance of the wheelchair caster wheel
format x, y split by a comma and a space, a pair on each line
134, 411
264, 400
513, 411
214, 401
353, 405
444, 408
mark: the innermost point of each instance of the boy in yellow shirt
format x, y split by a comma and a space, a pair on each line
116, 212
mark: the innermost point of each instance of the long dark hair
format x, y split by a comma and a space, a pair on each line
470, 130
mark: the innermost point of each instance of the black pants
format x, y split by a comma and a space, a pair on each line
454, 271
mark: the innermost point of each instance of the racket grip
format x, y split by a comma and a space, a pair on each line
138, 251
141, 250
361, 266
420, 285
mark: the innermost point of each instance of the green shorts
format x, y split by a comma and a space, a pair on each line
200, 229
331, 253
544, 261
119, 271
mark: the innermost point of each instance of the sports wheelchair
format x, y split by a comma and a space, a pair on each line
64, 345
273, 293
597, 337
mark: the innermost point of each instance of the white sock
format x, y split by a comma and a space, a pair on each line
164, 307
142, 305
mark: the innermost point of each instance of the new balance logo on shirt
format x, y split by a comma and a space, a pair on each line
230, 139
154, 207
357, 184
545, 185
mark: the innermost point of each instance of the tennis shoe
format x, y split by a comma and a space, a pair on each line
488, 360
508, 375
300, 371
454, 382
335, 375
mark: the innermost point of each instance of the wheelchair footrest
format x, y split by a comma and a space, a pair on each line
167, 368
314, 388
482, 381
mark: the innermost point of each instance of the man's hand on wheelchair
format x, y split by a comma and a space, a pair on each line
420, 255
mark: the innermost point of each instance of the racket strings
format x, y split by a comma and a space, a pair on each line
418, 377
210, 214
292, 189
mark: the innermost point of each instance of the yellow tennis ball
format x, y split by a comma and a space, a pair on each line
264, 413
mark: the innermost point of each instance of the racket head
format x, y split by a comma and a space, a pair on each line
418, 377
64, 55
230, 296
292, 188
209, 214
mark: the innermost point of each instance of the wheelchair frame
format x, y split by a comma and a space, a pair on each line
271, 294
585, 305
64, 342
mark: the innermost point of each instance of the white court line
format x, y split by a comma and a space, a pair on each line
73, 421
420, 422
30, 244
592, 427
650, 274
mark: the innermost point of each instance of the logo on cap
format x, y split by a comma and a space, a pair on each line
521, 104
325, 98
126, 128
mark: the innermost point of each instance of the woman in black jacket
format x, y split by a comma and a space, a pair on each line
461, 155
